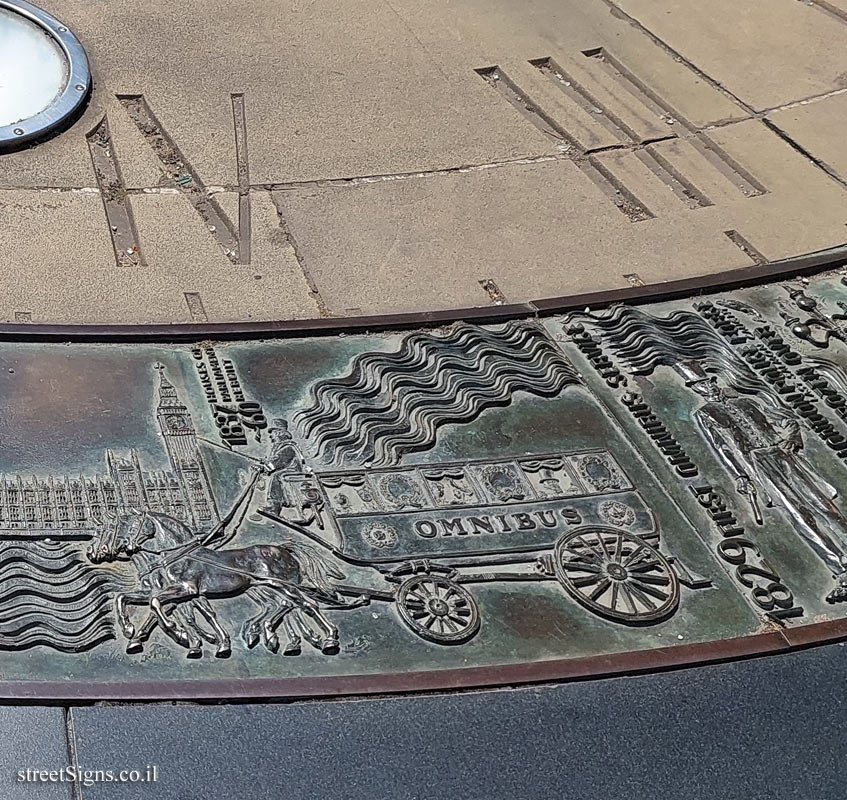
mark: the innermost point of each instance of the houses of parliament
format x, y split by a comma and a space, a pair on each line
73, 505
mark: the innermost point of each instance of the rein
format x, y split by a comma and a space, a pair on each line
183, 550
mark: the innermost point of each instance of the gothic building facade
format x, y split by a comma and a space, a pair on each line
64, 504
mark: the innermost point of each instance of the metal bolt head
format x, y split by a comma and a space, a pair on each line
18, 131
79, 87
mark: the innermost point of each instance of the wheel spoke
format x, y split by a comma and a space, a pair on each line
640, 566
618, 549
591, 548
645, 600
656, 580
433, 589
602, 540
600, 589
627, 596
631, 556
652, 590
588, 580
584, 566
615, 590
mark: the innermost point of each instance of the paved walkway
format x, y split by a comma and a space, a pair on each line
377, 157
769, 727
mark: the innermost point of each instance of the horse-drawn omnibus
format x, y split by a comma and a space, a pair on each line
433, 530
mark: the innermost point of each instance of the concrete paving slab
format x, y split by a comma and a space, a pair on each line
33, 739
819, 129
765, 54
778, 221
579, 120
390, 92
536, 230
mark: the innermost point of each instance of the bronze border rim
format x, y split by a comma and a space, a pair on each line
774, 642
812, 263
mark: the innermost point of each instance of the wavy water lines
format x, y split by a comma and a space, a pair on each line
643, 342
51, 595
392, 403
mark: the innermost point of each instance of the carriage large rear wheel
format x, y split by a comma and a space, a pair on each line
616, 575
438, 609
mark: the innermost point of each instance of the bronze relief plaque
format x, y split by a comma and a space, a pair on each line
467, 504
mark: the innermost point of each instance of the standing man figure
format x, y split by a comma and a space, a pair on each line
285, 458
763, 453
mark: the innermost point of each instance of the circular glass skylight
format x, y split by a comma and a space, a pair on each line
44, 74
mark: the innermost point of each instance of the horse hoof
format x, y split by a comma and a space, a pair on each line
329, 647
134, 647
272, 643
194, 652
129, 631
292, 649
223, 651
250, 639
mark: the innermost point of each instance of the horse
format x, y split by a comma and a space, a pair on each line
178, 572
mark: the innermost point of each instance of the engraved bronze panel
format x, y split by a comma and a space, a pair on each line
345, 513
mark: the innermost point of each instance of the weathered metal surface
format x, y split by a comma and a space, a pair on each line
629, 480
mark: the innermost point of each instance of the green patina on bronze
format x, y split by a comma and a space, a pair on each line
624, 480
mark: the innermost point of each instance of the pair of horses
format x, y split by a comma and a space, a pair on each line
178, 575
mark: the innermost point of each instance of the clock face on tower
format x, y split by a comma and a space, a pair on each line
175, 422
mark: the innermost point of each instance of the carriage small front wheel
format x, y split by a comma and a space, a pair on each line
438, 609
616, 574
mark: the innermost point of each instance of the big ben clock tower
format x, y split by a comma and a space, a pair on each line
180, 438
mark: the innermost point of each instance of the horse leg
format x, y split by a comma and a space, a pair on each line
223, 641
135, 644
275, 607
329, 644
283, 613
121, 601
184, 613
327, 640
272, 620
292, 647
251, 627
176, 594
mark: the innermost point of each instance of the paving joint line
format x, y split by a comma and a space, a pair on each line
618, 12
820, 164
71, 744
320, 303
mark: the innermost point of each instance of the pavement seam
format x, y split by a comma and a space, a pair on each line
819, 163
618, 12
71, 743
323, 308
